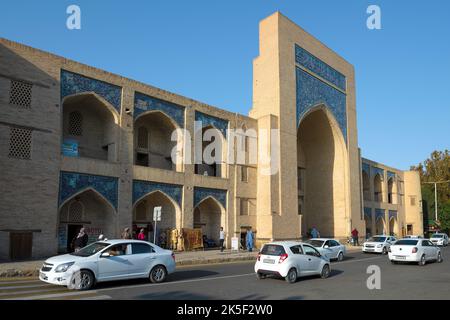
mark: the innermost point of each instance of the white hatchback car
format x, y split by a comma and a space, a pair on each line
330, 248
290, 260
109, 260
414, 250
378, 244
439, 239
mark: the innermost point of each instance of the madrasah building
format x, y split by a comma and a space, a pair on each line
80, 146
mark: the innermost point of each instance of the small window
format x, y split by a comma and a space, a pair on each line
412, 201
244, 207
244, 174
75, 123
296, 250
20, 143
142, 139
118, 250
273, 250
20, 94
142, 159
310, 251
76, 211
139, 248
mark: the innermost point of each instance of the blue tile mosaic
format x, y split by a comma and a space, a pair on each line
207, 120
368, 212
202, 193
142, 188
390, 175
393, 213
72, 83
379, 213
366, 168
312, 92
144, 103
317, 66
376, 171
71, 183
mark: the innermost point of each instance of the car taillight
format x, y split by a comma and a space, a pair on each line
259, 257
414, 250
173, 256
283, 257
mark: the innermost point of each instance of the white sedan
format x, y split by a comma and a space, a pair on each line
330, 248
109, 260
378, 244
440, 239
414, 250
290, 260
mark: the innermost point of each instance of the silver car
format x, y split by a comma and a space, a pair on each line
330, 248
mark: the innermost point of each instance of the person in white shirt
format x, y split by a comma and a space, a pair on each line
221, 238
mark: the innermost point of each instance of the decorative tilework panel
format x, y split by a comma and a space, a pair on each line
72, 83
368, 212
71, 183
312, 92
207, 120
393, 213
142, 188
376, 170
201, 193
317, 66
366, 168
379, 213
390, 175
144, 103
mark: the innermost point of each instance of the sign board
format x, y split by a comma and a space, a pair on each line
235, 243
157, 214
191, 239
70, 148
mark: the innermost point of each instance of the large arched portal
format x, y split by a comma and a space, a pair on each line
153, 141
392, 191
209, 215
143, 217
91, 124
368, 221
379, 226
213, 153
366, 186
377, 188
393, 227
321, 153
87, 210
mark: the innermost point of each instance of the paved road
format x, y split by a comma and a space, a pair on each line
237, 281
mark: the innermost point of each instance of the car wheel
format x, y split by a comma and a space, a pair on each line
340, 256
291, 276
158, 274
422, 261
384, 250
325, 272
260, 276
82, 280
439, 258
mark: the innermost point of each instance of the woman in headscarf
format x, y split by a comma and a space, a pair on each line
81, 240
126, 234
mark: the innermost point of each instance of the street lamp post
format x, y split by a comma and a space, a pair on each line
435, 196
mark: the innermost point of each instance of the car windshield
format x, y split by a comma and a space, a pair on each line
406, 242
437, 236
91, 249
377, 239
273, 250
315, 243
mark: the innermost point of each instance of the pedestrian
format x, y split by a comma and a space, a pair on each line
221, 238
355, 237
249, 240
315, 233
126, 234
81, 240
141, 235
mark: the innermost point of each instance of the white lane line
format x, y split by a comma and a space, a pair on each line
177, 282
365, 259
55, 295
103, 297
18, 282
43, 285
2, 294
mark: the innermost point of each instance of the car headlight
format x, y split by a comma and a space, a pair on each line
64, 267
379, 245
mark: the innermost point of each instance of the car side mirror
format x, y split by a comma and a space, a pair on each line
326, 246
105, 255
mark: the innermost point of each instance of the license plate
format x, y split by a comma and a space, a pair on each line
369, 249
400, 257
269, 261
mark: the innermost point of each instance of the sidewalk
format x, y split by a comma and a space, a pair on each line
31, 268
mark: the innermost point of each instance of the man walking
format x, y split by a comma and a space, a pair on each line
315, 233
355, 237
221, 238
81, 240
249, 240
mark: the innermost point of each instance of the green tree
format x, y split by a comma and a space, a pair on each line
436, 168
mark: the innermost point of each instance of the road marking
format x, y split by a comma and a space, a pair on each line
177, 282
49, 296
365, 259
103, 297
18, 281
42, 285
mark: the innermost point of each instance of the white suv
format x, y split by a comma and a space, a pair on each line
439, 239
378, 244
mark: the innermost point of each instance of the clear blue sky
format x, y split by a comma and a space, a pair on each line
204, 50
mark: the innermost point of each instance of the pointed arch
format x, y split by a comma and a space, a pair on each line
78, 193
174, 202
87, 94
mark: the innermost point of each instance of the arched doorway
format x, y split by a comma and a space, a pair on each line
393, 227
368, 221
153, 143
321, 154
366, 186
143, 217
213, 153
209, 215
391, 191
379, 226
377, 188
88, 210
90, 123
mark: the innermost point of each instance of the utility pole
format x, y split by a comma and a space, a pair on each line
435, 196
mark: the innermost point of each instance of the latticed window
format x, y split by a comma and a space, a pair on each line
76, 211
75, 123
142, 138
141, 214
244, 207
20, 143
20, 93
